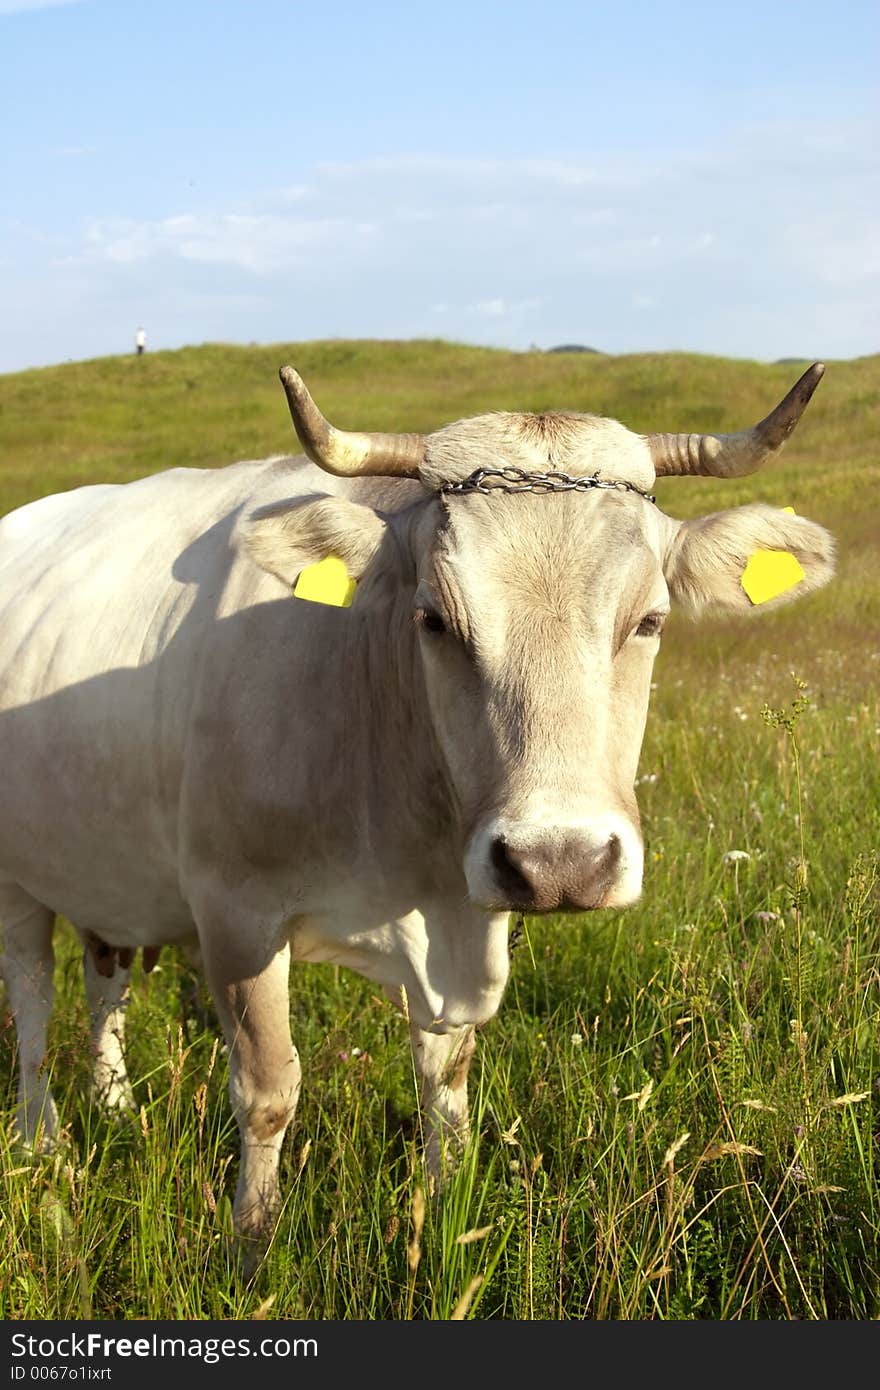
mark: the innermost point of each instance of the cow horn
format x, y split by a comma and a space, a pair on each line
734, 455
345, 453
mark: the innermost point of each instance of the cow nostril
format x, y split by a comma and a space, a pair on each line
614, 851
511, 880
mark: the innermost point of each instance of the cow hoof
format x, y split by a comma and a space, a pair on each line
253, 1230
443, 1157
249, 1253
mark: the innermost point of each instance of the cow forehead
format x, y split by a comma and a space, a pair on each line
586, 548
580, 445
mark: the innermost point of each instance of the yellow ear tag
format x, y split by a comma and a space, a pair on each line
327, 581
769, 573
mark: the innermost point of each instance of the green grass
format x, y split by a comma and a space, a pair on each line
676, 1108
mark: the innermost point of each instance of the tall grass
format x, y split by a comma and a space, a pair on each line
675, 1111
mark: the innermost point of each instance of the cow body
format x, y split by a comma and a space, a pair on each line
189, 753
148, 751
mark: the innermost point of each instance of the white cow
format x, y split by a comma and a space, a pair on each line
189, 753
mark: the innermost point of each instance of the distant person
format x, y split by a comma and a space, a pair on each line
140, 341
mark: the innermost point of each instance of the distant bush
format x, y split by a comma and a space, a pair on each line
572, 347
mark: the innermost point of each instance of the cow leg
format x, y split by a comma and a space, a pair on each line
28, 962
442, 1061
264, 1075
107, 996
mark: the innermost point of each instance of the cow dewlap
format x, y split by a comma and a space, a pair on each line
327, 581
769, 573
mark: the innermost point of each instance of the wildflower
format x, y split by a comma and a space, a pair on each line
508, 1135
736, 856
577, 1039
767, 916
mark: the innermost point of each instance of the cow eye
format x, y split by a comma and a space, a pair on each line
430, 620
651, 625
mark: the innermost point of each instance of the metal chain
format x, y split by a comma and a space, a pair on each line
517, 480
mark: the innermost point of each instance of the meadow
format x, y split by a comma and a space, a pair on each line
676, 1109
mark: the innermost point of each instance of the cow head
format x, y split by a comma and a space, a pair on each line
538, 610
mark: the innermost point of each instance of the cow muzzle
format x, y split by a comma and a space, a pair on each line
522, 866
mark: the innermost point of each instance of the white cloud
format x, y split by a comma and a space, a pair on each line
73, 151
488, 308
442, 166
839, 247
764, 246
249, 242
501, 308
22, 6
293, 193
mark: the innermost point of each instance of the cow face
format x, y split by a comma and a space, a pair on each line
538, 617
538, 620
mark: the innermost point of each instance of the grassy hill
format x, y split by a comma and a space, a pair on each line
117, 418
677, 1105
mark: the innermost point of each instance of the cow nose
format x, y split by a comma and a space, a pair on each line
555, 874
510, 875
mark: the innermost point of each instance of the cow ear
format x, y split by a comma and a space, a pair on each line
754, 556
285, 537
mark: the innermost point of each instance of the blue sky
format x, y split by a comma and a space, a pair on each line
633, 176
